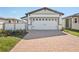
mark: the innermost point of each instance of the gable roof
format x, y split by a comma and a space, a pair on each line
23, 17
45, 9
74, 15
2, 18
42, 9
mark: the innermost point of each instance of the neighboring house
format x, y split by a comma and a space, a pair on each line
8, 21
71, 22
44, 19
2, 20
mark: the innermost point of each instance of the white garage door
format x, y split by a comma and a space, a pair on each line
45, 24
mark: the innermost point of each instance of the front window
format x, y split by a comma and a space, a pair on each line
75, 20
9, 21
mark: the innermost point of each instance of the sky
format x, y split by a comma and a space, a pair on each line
18, 12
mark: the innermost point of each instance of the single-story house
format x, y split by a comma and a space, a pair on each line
9, 21
72, 21
44, 19
2, 20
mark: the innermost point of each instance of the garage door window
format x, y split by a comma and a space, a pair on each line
43, 19
46, 19
39, 19
36, 19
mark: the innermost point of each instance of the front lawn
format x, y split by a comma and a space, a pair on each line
73, 32
7, 43
8, 39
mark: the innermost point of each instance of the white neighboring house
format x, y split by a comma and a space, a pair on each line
71, 22
12, 24
15, 25
2, 21
1, 24
44, 19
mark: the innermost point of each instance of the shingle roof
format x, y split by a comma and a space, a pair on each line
2, 18
42, 9
77, 14
74, 15
23, 17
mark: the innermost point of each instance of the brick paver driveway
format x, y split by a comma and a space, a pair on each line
47, 41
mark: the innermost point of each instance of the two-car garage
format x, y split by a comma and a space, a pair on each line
44, 19
44, 24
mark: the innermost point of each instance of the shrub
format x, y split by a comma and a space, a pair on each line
13, 33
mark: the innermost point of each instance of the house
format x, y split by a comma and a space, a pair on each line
9, 21
72, 21
2, 20
44, 19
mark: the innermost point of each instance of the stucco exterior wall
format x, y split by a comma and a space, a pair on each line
17, 26
60, 22
64, 23
9, 26
75, 25
1, 26
1, 23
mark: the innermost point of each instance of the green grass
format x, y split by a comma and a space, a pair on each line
73, 32
7, 43
8, 39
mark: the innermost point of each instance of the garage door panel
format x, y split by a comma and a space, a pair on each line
44, 25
